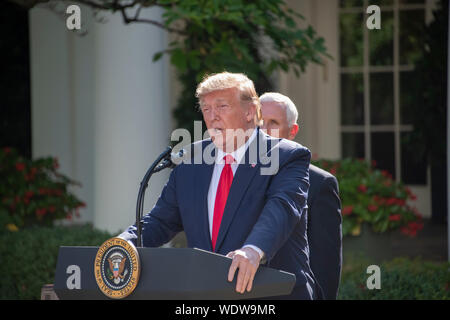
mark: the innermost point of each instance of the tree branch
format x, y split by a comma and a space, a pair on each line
114, 6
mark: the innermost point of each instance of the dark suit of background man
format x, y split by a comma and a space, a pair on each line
324, 206
229, 206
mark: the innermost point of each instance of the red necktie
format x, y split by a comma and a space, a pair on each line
226, 178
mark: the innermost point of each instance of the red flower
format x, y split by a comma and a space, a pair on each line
386, 174
6, 150
378, 200
29, 194
372, 208
333, 170
81, 205
30, 176
20, 166
51, 209
347, 210
41, 212
412, 228
362, 188
416, 226
387, 183
395, 217
391, 201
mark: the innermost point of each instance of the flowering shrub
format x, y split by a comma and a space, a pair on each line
33, 192
370, 195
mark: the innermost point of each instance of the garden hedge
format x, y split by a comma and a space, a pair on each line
28, 257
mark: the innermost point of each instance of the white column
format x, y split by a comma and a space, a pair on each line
131, 117
50, 88
100, 105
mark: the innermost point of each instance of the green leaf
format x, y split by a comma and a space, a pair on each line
157, 56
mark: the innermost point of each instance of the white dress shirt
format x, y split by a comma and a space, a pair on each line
218, 167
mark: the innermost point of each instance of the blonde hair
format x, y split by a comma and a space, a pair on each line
228, 80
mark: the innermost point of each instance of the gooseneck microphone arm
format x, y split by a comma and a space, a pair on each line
165, 157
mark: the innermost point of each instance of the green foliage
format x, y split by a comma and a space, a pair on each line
33, 191
370, 195
401, 278
28, 257
252, 37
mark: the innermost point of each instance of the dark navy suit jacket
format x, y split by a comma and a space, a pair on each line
325, 230
268, 211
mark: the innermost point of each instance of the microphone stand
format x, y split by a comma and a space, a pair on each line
155, 167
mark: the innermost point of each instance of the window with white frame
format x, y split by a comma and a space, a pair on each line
376, 76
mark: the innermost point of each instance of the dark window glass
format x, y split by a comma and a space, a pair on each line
353, 145
351, 39
412, 31
382, 98
382, 2
352, 99
381, 42
383, 151
410, 97
412, 1
351, 3
414, 166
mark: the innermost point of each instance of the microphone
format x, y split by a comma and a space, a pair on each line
171, 160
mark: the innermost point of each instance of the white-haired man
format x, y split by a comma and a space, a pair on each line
280, 117
229, 206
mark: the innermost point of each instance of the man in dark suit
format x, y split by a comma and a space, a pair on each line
324, 207
249, 202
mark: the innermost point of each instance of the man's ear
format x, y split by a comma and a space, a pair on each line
250, 114
293, 131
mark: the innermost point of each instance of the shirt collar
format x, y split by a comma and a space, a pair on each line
236, 154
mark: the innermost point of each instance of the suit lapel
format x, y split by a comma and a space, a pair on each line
242, 178
203, 174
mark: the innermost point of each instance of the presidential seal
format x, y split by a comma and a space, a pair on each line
117, 268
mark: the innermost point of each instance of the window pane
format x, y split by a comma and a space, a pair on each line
351, 39
352, 99
381, 42
382, 3
353, 145
351, 3
383, 151
412, 1
410, 97
412, 25
414, 167
382, 98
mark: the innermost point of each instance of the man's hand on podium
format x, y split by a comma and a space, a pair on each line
247, 261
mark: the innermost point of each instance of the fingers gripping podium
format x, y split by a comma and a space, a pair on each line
167, 274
